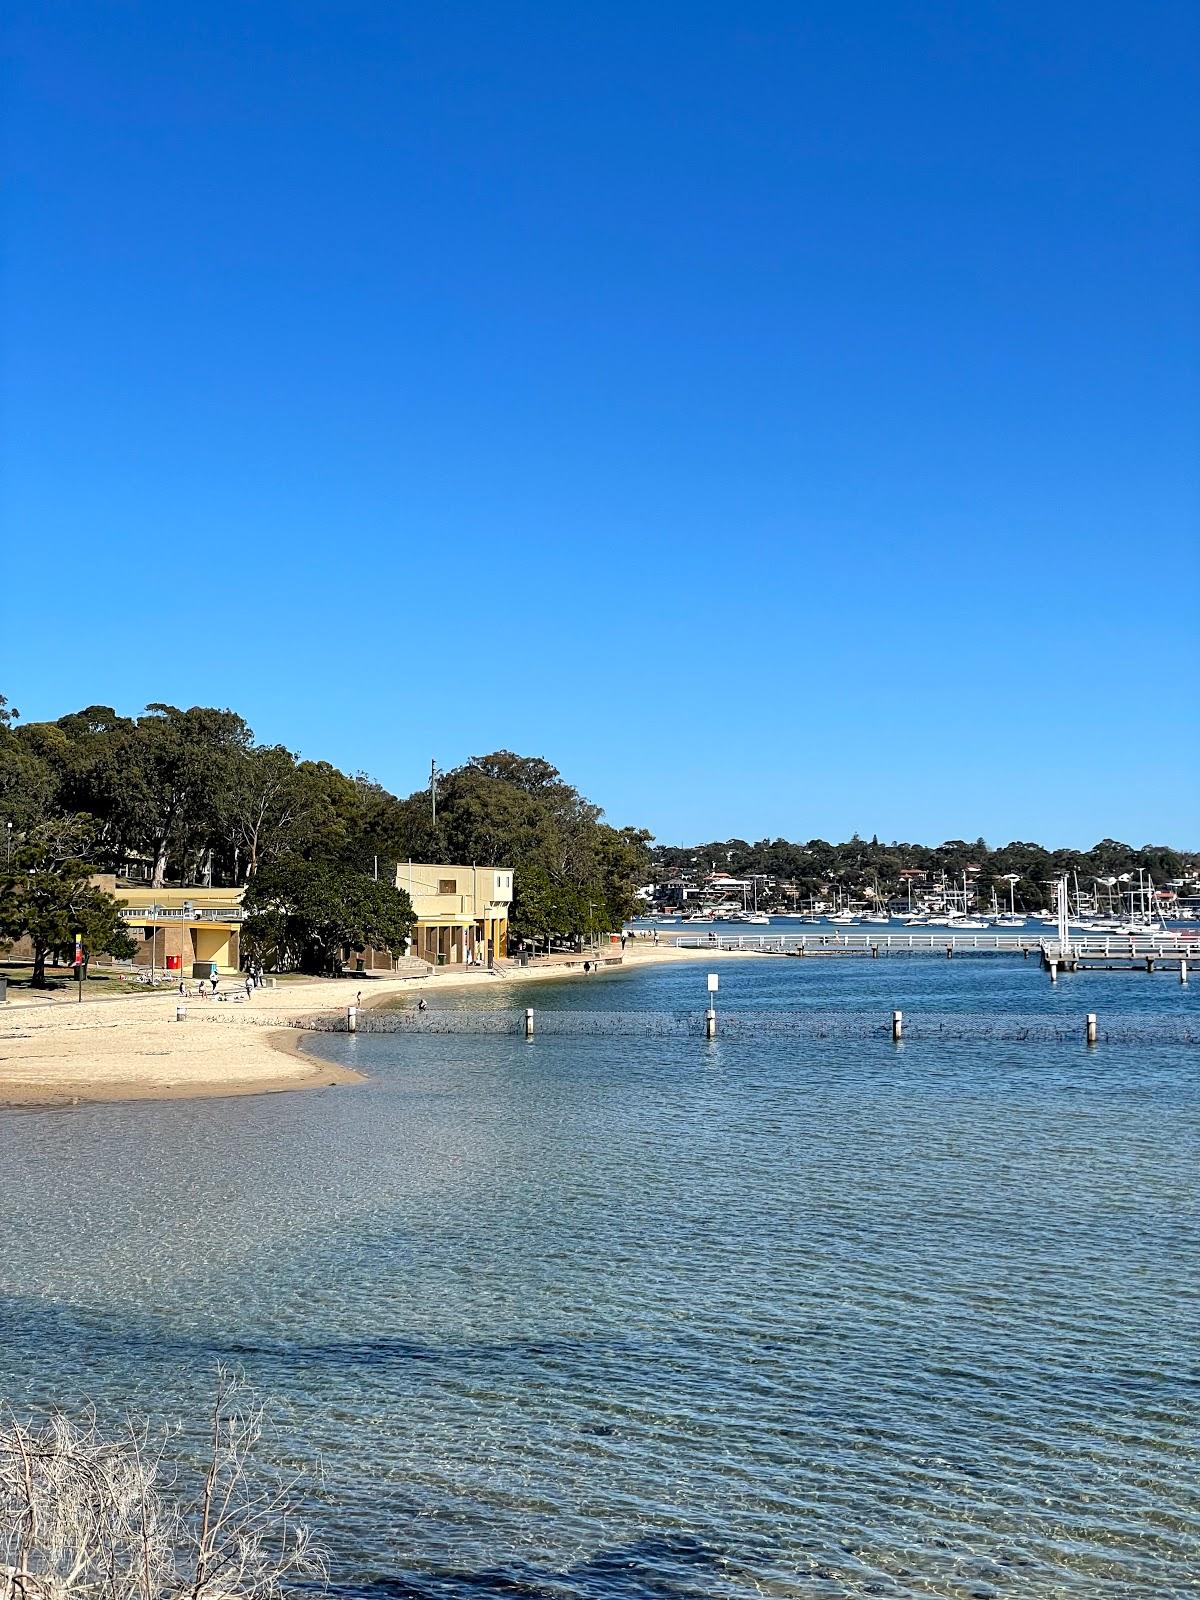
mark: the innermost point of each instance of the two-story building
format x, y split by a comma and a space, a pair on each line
462, 912
174, 928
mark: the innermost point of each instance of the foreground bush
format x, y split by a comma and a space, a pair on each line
88, 1517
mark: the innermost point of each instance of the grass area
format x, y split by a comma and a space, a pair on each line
60, 982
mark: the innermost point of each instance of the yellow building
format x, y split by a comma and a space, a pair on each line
462, 919
462, 912
174, 928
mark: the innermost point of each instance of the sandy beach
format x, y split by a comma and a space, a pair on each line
54, 1052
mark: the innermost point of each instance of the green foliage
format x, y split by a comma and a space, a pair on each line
572, 873
305, 915
46, 893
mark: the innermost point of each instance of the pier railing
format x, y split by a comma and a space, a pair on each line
834, 943
858, 943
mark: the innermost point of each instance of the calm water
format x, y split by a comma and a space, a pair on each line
649, 1317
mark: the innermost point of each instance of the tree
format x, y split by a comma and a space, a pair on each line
181, 766
572, 873
28, 787
47, 894
308, 914
268, 808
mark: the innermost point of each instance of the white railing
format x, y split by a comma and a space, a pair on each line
783, 943
1011, 943
179, 914
1118, 945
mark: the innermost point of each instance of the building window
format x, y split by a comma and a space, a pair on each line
447, 886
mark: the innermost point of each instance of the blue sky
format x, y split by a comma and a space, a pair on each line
799, 401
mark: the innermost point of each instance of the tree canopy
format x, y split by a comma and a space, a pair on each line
306, 914
189, 796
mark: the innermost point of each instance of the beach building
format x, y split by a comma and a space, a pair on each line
462, 918
462, 912
175, 928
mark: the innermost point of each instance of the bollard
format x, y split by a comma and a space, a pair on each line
1091, 1027
181, 1013
351, 1019
1025, 952
710, 1024
897, 1026
949, 951
1183, 969
529, 1022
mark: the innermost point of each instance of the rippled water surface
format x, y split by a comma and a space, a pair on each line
645, 1316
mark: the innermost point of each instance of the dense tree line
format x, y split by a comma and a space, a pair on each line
189, 796
858, 864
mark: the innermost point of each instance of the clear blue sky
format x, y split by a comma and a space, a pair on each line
805, 397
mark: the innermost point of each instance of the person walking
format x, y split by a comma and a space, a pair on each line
249, 984
213, 981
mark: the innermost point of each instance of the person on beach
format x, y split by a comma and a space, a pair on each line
421, 1006
249, 984
213, 981
623, 939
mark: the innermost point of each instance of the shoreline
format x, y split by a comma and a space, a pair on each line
55, 1054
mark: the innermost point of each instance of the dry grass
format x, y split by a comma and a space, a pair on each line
88, 1517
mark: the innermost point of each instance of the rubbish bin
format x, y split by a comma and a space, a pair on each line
3, 991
